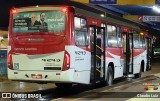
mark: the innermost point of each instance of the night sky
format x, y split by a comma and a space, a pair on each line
6, 5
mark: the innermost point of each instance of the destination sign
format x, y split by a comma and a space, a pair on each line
151, 18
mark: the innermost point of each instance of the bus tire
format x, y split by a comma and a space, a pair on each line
63, 85
138, 75
109, 78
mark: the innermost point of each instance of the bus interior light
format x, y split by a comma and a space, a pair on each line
102, 15
141, 33
156, 8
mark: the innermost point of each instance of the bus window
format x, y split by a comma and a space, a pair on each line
142, 40
119, 36
81, 34
136, 40
38, 21
112, 37
77, 24
103, 25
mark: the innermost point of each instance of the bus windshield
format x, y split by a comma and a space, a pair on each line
47, 21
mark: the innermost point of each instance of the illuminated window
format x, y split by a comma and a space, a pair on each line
112, 36
81, 34
119, 36
136, 40
142, 41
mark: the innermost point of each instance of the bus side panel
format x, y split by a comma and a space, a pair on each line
114, 55
81, 62
139, 55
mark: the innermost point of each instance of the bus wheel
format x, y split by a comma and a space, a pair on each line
138, 75
63, 85
109, 79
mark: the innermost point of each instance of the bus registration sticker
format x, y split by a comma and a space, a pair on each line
16, 66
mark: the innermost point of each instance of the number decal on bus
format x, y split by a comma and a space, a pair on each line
80, 52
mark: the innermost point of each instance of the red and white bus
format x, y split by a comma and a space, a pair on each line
75, 46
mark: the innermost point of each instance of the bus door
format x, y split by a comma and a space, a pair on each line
128, 53
149, 53
97, 37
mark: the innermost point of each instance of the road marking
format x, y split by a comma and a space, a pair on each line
157, 74
56, 99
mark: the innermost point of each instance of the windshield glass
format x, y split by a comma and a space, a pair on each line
48, 21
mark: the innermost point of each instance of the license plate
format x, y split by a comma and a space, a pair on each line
36, 76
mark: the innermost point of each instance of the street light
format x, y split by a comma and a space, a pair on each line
156, 8
1, 39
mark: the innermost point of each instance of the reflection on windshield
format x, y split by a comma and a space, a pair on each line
39, 22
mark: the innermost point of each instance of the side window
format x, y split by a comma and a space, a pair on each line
112, 36
104, 25
143, 43
81, 34
136, 40
119, 36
